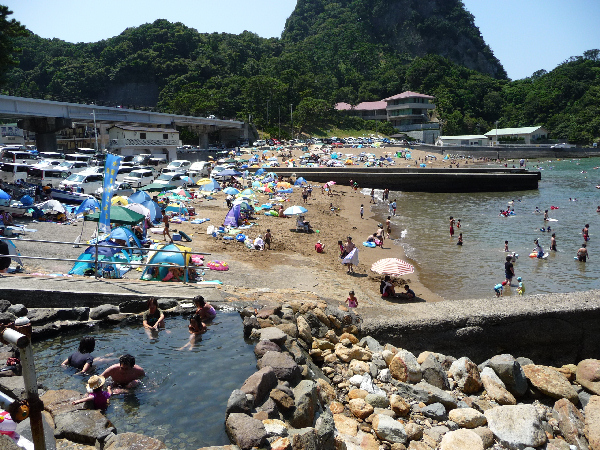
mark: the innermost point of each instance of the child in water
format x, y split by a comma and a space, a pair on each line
460, 239
196, 329
498, 289
506, 246
99, 397
521, 288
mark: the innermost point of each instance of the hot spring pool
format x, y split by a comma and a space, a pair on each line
183, 397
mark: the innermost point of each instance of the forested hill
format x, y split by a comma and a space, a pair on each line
348, 29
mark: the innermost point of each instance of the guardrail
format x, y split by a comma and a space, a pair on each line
98, 262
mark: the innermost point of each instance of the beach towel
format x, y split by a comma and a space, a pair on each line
351, 258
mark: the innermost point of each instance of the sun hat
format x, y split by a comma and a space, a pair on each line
95, 382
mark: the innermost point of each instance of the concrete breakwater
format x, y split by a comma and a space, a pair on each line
422, 179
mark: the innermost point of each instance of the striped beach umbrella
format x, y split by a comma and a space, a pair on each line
392, 266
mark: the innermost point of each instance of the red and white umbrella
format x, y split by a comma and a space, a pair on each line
392, 266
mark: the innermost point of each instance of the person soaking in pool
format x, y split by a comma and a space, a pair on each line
82, 358
154, 317
125, 375
196, 329
205, 310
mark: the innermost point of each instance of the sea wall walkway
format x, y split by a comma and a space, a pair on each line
549, 328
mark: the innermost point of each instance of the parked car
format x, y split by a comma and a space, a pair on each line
73, 166
47, 175
11, 172
121, 188
172, 178
179, 164
139, 177
199, 169
82, 183
124, 172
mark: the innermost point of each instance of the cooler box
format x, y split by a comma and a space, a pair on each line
176, 237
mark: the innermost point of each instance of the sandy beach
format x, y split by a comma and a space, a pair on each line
292, 263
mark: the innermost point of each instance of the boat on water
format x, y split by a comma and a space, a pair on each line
69, 196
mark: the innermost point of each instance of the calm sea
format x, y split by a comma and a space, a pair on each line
472, 270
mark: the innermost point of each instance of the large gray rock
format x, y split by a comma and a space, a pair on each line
371, 343
325, 431
7, 443
250, 323
265, 346
388, 429
592, 422
304, 439
517, 426
238, 403
133, 306
4, 305
14, 386
304, 330
6, 317
510, 372
377, 400
18, 310
436, 395
283, 365
588, 375
571, 423
306, 401
368, 385
461, 439
83, 426
245, 431
167, 303
495, 388
435, 411
466, 374
102, 311
129, 441
44, 315
434, 373
274, 335
260, 384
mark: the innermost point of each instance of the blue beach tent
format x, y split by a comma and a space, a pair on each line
139, 197
300, 181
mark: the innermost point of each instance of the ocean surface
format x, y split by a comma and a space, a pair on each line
471, 271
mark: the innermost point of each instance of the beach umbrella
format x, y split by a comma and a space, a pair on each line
157, 187
119, 200
392, 266
154, 210
89, 204
231, 190
229, 173
119, 215
293, 210
259, 172
203, 181
52, 205
247, 193
181, 193
4, 195
141, 209
139, 197
212, 186
283, 185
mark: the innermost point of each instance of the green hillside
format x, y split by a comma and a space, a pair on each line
330, 51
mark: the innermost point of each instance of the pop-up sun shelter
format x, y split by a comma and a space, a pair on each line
163, 260
233, 216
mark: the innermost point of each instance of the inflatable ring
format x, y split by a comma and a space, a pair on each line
240, 237
533, 255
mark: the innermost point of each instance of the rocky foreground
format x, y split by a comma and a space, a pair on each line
320, 387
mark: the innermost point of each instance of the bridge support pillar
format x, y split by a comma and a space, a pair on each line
45, 131
203, 143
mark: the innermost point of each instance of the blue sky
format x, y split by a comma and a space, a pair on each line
525, 35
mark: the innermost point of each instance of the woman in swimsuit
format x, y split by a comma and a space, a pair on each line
451, 226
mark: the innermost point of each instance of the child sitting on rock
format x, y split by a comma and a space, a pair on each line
96, 393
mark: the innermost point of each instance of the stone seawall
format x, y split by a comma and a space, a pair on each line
516, 153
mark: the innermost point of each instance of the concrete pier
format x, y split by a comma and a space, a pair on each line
422, 179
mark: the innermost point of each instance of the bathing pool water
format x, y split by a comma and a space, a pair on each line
183, 397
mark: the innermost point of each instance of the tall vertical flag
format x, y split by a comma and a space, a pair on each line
111, 168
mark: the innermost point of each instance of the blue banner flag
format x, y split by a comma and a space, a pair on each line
111, 168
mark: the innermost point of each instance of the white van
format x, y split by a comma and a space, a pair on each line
74, 166
47, 176
83, 183
11, 172
200, 169
123, 172
78, 157
139, 177
260, 143
179, 165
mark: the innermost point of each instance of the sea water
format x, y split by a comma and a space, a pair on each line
471, 271
183, 397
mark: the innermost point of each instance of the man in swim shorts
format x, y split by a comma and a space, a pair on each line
126, 374
582, 253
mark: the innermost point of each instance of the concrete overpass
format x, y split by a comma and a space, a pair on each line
46, 117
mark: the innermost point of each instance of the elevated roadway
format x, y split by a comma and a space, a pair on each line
46, 117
